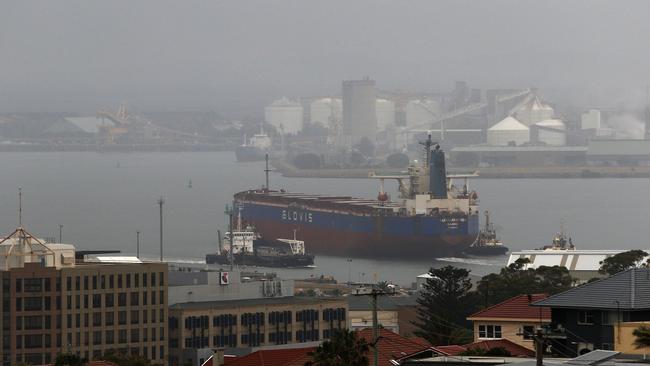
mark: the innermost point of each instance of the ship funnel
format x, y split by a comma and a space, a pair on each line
437, 173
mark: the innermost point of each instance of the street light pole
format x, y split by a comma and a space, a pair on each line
161, 202
137, 234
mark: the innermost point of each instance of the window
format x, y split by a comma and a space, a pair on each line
121, 317
111, 282
144, 280
609, 317
68, 283
121, 338
489, 331
102, 281
19, 285
31, 285
95, 285
121, 299
108, 300
135, 299
77, 283
153, 297
161, 278
528, 332
136, 280
128, 280
108, 318
33, 303
85, 282
162, 297
119, 281
585, 317
109, 337
135, 316
97, 337
153, 279
85, 301
144, 298
97, 319
135, 335
97, 301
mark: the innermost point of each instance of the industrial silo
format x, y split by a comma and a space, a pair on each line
534, 111
385, 110
508, 132
285, 115
326, 110
421, 111
550, 132
359, 108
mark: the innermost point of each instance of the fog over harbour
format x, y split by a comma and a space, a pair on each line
234, 56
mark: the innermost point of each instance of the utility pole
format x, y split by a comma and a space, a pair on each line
539, 347
60, 233
137, 243
161, 202
375, 322
20, 206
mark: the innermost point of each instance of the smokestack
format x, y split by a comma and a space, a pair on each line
437, 174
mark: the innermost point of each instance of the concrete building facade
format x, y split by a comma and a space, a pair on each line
252, 323
52, 304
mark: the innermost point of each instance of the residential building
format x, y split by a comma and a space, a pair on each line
52, 303
513, 319
624, 338
394, 313
250, 323
584, 318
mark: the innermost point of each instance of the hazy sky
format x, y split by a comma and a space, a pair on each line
234, 55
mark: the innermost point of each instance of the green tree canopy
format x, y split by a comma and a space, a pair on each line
517, 280
344, 349
69, 359
642, 336
445, 302
125, 360
623, 261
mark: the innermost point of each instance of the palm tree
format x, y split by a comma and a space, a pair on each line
642, 335
344, 349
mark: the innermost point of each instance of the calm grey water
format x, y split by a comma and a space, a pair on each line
102, 199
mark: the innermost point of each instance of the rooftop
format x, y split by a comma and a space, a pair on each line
275, 357
361, 303
226, 304
514, 349
517, 307
628, 290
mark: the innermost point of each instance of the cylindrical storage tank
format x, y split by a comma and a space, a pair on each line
551, 132
508, 132
385, 113
359, 108
421, 111
326, 110
285, 115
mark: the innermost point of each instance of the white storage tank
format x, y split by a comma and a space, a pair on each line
385, 110
534, 111
551, 132
421, 111
590, 120
508, 132
326, 110
285, 115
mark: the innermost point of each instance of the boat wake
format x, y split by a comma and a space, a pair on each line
478, 262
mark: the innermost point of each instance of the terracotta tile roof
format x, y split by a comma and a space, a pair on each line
421, 341
517, 307
451, 350
272, 357
514, 349
93, 363
391, 346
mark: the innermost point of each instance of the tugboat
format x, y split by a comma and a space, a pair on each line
560, 241
247, 247
487, 243
255, 148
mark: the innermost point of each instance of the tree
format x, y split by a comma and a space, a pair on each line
365, 147
444, 304
623, 261
516, 279
642, 336
68, 359
397, 160
343, 349
121, 359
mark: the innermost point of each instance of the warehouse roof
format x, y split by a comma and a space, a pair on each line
628, 290
618, 147
486, 148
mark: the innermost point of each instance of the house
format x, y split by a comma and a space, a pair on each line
513, 319
584, 318
395, 313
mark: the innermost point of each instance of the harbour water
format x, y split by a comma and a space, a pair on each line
102, 199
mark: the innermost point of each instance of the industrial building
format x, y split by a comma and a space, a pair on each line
359, 108
53, 303
386, 114
508, 132
285, 115
482, 155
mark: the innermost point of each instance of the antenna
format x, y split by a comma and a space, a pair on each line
161, 202
20, 207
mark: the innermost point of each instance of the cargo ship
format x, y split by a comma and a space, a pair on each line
432, 217
254, 148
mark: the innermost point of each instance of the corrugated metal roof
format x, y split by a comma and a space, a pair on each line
486, 148
618, 147
517, 307
628, 290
